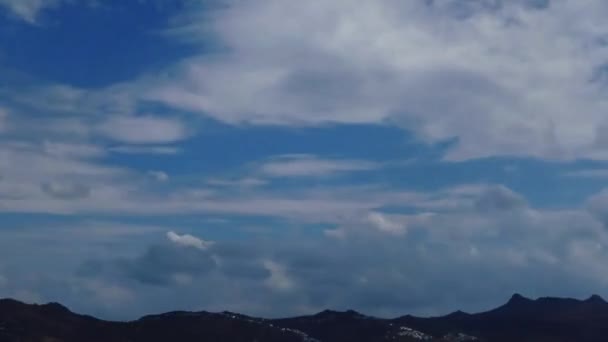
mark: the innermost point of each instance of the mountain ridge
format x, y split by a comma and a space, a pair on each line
520, 319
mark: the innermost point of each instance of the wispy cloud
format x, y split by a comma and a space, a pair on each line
311, 166
238, 182
76, 150
144, 129
160, 176
28, 10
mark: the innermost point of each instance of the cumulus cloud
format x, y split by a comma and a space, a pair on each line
496, 77
188, 240
143, 129
309, 165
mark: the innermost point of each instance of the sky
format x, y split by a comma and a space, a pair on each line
281, 157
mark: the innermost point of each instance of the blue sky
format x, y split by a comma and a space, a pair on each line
387, 156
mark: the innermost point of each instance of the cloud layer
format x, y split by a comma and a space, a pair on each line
484, 256
499, 77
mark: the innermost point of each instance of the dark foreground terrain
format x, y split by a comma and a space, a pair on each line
520, 320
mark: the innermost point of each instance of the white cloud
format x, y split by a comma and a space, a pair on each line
72, 105
310, 166
28, 10
143, 129
374, 223
384, 224
278, 279
507, 79
189, 241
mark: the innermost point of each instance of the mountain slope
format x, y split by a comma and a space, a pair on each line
55, 323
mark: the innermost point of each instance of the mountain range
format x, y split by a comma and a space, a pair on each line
519, 320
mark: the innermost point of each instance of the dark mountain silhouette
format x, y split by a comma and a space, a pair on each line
519, 320
522, 319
